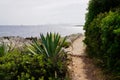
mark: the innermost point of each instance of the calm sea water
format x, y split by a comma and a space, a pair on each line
34, 31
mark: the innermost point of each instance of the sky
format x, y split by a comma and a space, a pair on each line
39, 12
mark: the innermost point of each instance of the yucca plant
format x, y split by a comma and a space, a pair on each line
51, 45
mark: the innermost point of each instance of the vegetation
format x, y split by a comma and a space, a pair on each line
102, 35
50, 46
99, 6
2, 50
49, 61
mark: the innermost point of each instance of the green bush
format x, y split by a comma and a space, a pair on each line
93, 37
110, 26
49, 61
103, 42
99, 6
17, 66
102, 33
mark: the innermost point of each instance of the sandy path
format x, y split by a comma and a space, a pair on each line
81, 67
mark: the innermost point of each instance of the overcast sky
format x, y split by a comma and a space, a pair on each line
37, 12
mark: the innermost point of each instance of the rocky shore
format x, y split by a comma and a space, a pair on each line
17, 42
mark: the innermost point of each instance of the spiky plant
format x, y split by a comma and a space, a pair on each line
51, 45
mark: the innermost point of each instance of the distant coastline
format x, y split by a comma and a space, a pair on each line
79, 25
35, 30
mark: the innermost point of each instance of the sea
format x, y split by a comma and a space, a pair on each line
36, 30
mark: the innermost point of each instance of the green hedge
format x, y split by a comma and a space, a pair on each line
103, 42
18, 66
110, 36
99, 6
93, 35
102, 33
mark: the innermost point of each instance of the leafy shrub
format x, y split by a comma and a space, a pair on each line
102, 33
93, 37
99, 6
103, 43
110, 26
17, 66
22, 65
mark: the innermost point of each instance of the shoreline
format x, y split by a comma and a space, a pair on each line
18, 42
29, 38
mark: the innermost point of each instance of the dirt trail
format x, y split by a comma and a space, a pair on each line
81, 67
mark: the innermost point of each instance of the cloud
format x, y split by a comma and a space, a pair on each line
42, 11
